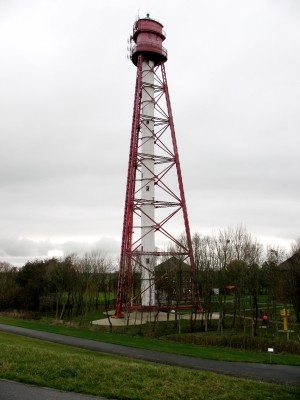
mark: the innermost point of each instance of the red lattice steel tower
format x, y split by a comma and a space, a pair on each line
154, 194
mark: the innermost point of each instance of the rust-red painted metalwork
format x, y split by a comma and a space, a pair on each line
148, 37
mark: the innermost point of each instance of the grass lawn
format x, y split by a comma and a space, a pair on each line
208, 352
46, 364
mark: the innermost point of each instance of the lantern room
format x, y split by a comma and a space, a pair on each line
148, 36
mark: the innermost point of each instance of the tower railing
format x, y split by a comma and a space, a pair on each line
137, 18
148, 46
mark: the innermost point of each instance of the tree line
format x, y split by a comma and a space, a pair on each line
73, 284
67, 286
233, 257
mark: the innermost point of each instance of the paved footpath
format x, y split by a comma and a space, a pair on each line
280, 374
19, 391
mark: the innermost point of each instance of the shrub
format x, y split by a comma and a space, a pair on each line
240, 342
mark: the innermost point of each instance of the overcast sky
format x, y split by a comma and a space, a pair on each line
66, 98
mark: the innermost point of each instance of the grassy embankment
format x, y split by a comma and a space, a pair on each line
161, 344
66, 368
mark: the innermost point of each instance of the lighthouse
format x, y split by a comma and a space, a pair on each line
153, 198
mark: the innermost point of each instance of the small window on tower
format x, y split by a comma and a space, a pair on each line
147, 122
147, 188
147, 260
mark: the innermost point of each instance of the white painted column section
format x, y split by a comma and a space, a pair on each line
147, 148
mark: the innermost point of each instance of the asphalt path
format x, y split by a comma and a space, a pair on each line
279, 374
18, 391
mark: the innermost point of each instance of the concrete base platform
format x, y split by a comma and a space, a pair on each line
139, 318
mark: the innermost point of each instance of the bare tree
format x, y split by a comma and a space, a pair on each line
291, 279
271, 277
8, 285
242, 245
236, 272
223, 255
295, 247
253, 257
204, 260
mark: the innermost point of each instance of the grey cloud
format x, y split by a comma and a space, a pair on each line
66, 106
21, 247
20, 250
108, 245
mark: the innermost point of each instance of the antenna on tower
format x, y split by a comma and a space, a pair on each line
128, 48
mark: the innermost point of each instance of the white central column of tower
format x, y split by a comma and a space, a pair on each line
147, 148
